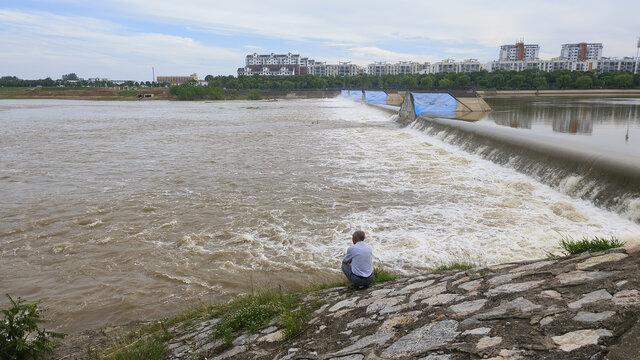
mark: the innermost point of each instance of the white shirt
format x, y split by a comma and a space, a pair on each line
360, 255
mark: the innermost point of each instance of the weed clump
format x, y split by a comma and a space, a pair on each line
571, 247
20, 337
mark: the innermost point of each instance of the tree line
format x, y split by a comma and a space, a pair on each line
480, 80
72, 81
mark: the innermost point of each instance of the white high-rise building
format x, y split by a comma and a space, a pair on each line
519, 52
581, 51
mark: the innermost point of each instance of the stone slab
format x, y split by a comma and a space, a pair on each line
427, 337
577, 339
591, 262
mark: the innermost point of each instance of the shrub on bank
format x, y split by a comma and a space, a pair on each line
254, 95
20, 337
188, 91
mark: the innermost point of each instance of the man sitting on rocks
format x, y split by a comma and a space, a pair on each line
358, 264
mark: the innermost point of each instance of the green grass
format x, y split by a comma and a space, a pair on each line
149, 341
454, 266
246, 313
151, 348
127, 93
249, 313
12, 89
380, 275
572, 247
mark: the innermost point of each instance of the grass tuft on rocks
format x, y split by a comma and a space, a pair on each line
249, 313
572, 247
380, 275
148, 341
454, 266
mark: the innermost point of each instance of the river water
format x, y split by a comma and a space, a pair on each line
119, 211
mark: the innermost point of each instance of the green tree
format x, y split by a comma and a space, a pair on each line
517, 81
427, 81
463, 81
564, 81
584, 82
71, 76
497, 81
444, 84
623, 81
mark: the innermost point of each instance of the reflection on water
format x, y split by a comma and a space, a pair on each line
607, 124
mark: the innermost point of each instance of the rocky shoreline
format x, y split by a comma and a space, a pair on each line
584, 306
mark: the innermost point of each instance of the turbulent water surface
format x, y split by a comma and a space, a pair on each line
115, 211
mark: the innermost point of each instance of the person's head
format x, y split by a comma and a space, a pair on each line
358, 236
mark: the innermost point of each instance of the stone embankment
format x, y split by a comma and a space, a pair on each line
580, 307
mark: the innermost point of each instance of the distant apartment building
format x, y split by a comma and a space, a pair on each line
581, 51
274, 64
450, 65
344, 69
176, 80
402, 67
624, 64
543, 65
519, 52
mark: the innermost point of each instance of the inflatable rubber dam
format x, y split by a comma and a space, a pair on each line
608, 179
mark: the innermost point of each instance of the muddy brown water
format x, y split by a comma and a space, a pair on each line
120, 211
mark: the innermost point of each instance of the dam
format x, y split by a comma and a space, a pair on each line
606, 172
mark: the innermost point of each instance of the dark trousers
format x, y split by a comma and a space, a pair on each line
355, 280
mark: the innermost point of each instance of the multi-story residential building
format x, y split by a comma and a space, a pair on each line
317, 68
273, 64
450, 65
581, 51
446, 65
519, 52
544, 65
344, 69
469, 65
378, 68
402, 67
624, 64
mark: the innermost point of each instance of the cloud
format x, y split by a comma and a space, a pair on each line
50, 44
370, 54
207, 37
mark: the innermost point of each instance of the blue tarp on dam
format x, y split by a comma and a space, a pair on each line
376, 97
440, 103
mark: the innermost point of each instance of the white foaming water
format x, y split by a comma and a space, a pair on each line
126, 210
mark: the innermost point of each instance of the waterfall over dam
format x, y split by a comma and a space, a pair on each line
609, 180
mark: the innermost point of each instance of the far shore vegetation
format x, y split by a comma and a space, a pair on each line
245, 87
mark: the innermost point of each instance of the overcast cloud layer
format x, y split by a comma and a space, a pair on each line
121, 39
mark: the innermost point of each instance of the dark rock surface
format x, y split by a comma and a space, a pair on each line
581, 307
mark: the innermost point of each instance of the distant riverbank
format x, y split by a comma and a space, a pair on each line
584, 93
82, 93
147, 94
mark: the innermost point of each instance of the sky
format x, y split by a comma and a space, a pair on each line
125, 40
